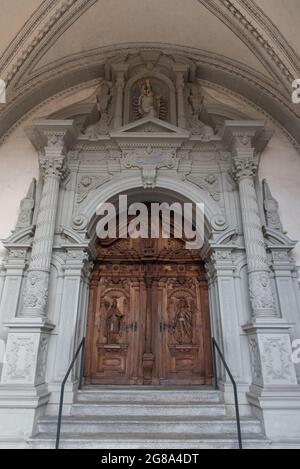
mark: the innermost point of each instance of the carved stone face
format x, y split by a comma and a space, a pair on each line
86, 181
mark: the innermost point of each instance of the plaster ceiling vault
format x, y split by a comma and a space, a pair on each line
249, 48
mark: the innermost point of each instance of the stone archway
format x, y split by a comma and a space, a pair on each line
149, 314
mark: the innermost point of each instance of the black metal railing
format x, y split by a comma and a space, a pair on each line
62, 391
215, 347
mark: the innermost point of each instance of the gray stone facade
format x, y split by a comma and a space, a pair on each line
172, 149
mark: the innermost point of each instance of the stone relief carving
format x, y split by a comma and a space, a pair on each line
79, 222
20, 356
104, 107
36, 291
27, 208
42, 357
261, 292
276, 357
255, 360
209, 183
149, 160
89, 183
271, 207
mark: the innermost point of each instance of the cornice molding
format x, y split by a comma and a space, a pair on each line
59, 21
35, 19
250, 26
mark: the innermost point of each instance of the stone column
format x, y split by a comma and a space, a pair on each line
274, 392
53, 168
180, 71
120, 71
23, 386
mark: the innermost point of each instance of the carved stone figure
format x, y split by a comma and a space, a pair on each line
27, 208
104, 100
149, 103
183, 323
114, 319
271, 207
199, 121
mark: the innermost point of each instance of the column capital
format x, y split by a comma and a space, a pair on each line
246, 138
52, 139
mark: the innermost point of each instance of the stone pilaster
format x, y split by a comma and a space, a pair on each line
180, 71
23, 384
274, 381
120, 71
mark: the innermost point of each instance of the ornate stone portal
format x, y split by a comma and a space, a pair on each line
149, 132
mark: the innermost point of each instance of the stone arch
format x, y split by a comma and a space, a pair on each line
181, 190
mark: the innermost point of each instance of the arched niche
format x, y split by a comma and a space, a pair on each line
160, 77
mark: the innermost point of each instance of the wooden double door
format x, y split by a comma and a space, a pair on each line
148, 320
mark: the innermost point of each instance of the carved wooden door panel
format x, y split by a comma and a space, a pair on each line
183, 342
115, 328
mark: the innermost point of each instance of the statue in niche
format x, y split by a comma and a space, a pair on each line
150, 102
27, 208
200, 122
271, 207
183, 323
114, 320
104, 102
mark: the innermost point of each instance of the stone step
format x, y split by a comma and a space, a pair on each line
151, 394
149, 441
150, 409
159, 425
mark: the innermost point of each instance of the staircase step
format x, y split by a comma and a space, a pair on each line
149, 441
151, 409
158, 425
141, 394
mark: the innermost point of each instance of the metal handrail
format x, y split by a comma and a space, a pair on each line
215, 347
62, 391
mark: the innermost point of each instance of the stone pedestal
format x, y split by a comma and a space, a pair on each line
23, 390
274, 393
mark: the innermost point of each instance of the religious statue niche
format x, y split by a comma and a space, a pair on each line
104, 110
199, 121
150, 98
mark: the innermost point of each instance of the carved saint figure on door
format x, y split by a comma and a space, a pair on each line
183, 323
114, 320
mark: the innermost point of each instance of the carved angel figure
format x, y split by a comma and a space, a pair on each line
183, 323
104, 99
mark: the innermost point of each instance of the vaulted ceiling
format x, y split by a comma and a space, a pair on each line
249, 47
